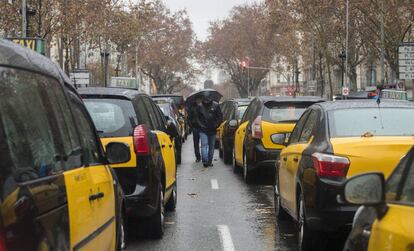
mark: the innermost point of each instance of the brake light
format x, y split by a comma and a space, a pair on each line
332, 166
141, 143
257, 132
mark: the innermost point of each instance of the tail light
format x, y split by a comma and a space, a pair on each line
3, 241
257, 132
141, 143
332, 166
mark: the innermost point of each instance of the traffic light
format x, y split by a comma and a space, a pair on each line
243, 64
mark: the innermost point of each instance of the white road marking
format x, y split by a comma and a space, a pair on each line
225, 238
214, 184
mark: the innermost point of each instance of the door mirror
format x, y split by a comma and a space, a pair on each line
233, 123
366, 189
117, 153
280, 138
172, 129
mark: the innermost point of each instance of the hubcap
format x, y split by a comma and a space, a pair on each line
122, 235
244, 166
276, 199
162, 209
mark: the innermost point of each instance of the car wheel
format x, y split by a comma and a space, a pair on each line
157, 220
226, 156
121, 241
280, 213
247, 174
220, 153
172, 202
178, 160
306, 237
236, 168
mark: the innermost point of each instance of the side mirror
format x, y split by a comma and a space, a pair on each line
172, 129
117, 153
233, 123
366, 189
280, 138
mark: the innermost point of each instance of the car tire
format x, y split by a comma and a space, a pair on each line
226, 156
178, 160
122, 233
156, 222
236, 168
306, 237
280, 213
172, 202
220, 153
247, 174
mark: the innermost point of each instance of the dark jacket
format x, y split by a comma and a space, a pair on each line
208, 117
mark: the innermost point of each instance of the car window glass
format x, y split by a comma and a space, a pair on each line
159, 122
250, 111
31, 145
143, 117
294, 138
308, 127
151, 113
407, 193
89, 141
240, 111
393, 182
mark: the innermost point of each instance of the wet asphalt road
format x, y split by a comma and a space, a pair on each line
232, 213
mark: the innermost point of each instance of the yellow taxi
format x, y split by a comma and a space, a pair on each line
233, 110
149, 178
57, 189
385, 222
332, 142
266, 119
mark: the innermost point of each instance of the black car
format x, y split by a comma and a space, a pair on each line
149, 178
170, 114
233, 110
56, 185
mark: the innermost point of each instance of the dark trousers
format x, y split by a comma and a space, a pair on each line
196, 141
207, 147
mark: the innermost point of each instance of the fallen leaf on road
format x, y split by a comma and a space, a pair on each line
192, 195
169, 223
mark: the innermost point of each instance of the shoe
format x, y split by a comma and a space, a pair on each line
205, 165
198, 160
210, 164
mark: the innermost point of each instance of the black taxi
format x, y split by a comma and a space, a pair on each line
57, 190
149, 178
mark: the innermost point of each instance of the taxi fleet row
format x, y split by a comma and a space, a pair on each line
328, 159
74, 168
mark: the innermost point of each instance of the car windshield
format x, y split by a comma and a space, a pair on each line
371, 122
112, 117
283, 113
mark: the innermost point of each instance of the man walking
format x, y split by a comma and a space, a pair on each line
195, 126
209, 116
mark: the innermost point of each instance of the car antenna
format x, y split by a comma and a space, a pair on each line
379, 91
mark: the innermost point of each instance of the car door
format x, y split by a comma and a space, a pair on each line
241, 133
95, 205
394, 231
166, 145
287, 164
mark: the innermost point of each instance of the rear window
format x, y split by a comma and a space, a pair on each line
112, 117
283, 113
242, 110
375, 121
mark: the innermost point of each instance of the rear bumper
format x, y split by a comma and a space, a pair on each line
323, 211
263, 158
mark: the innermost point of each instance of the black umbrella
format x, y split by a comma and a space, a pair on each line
206, 93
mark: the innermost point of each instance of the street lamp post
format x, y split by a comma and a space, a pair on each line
342, 56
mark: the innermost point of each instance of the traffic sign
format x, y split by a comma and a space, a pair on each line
406, 60
345, 91
80, 77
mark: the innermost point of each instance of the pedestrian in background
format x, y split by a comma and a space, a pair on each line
194, 123
209, 117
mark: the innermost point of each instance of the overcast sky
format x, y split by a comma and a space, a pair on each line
201, 12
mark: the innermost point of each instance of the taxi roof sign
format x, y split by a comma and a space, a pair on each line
36, 44
394, 94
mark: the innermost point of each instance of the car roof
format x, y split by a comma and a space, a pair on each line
16, 56
363, 103
315, 99
166, 95
110, 92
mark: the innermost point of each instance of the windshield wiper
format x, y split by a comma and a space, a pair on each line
367, 135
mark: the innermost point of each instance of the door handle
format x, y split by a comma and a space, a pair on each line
96, 196
169, 146
163, 146
296, 159
284, 158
